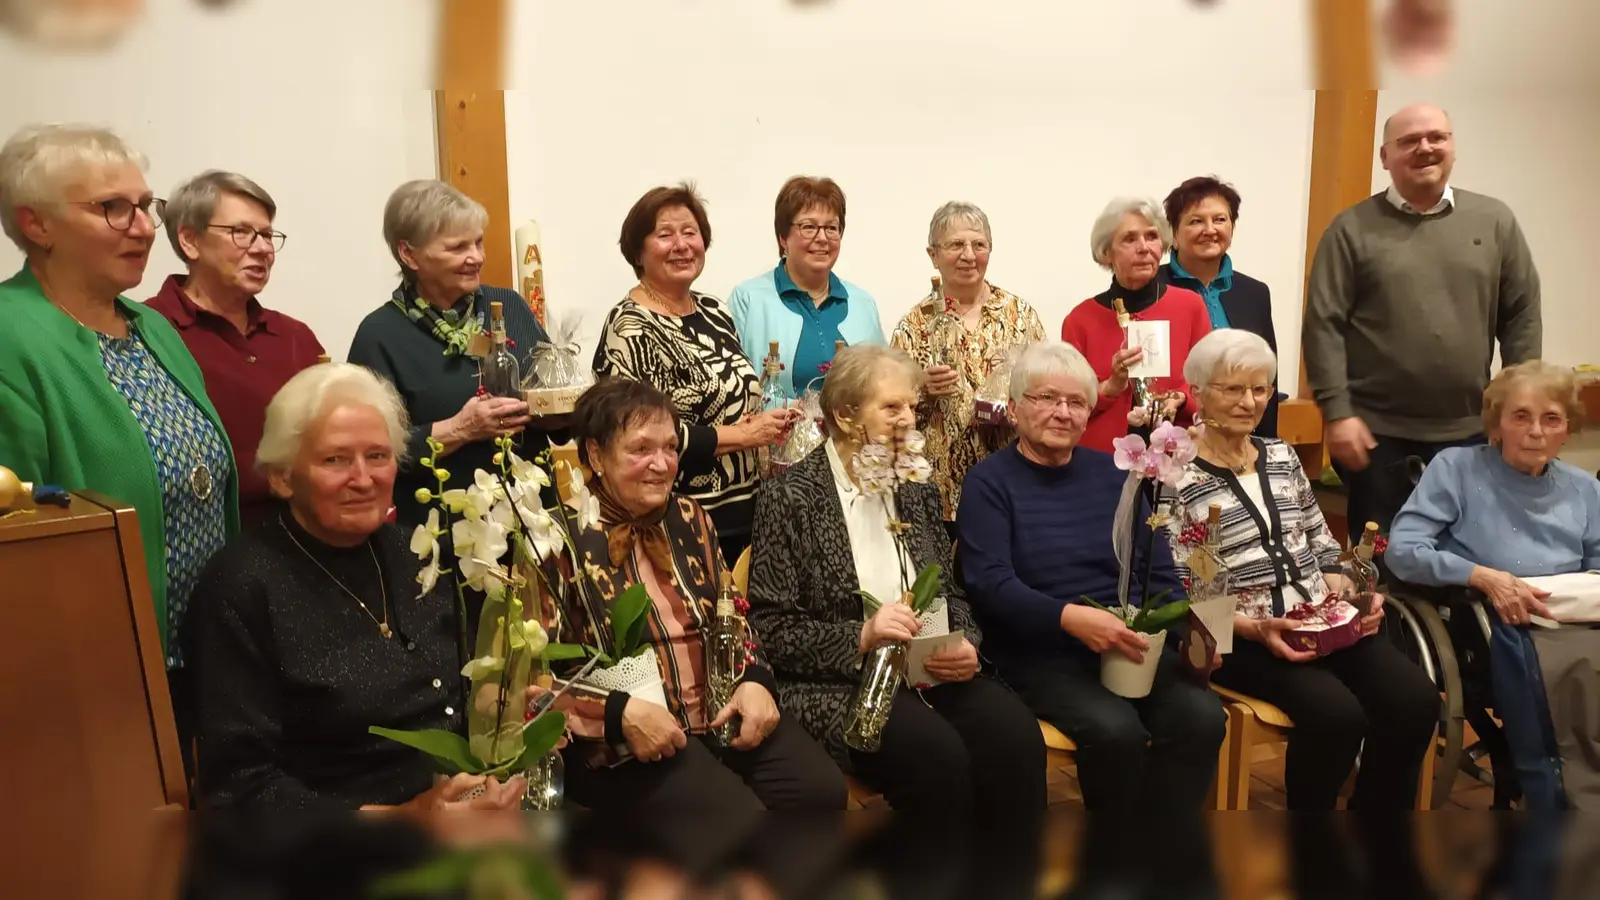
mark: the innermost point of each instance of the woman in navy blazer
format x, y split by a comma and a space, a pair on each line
1203, 211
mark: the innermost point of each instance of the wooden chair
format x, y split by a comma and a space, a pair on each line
1253, 721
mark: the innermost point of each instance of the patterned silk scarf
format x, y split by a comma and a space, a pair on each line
625, 530
450, 327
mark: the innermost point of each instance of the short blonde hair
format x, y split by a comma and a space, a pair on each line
39, 160
854, 377
419, 211
1047, 359
1110, 219
1559, 383
1228, 350
314, 393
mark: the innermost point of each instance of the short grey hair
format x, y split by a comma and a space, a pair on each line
38, 161
1049, 358
854, 377
954, 213
1228, 350
1110, 219
419, 211
194, 202
314, 393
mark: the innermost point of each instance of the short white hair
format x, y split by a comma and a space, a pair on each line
419, 211
313, 394
38, 161
1050, 358
1228, 350
953, 214
1110, 219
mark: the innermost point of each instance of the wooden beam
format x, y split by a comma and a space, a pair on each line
470, 120
1342, 44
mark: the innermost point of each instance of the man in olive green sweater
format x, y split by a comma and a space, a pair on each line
1410, 291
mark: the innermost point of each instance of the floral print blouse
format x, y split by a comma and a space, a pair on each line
929, 335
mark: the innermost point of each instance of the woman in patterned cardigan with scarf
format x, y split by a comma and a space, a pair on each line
1365, 699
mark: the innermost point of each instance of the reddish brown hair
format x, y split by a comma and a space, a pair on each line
799, 194
641, 219
1196, 189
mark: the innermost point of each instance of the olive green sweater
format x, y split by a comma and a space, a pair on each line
62, 422
1403, 313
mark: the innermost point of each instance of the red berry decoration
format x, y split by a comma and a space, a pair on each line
741, 605
481, 392
1380, 544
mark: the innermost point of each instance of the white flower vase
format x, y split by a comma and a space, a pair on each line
1126, 678
936, 621
637, 676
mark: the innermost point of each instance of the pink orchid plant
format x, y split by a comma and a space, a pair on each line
1159, 463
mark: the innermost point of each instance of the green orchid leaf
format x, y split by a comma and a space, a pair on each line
554, 652
542, 878
449, 748
869, 603
539, 739
1160, 618
442, 874
628, 619
925, 587
1100, 606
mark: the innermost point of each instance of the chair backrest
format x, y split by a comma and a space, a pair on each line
562, 458
741, 573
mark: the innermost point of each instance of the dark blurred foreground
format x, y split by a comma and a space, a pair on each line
860, 855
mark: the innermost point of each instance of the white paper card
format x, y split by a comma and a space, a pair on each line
1217, 616
1155, 337
923, 647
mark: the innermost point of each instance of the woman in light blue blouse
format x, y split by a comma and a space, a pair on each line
1487, 517
801, 304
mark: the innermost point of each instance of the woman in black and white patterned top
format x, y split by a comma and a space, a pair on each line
1366, 698
685, 344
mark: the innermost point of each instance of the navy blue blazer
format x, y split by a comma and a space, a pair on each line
1249, 306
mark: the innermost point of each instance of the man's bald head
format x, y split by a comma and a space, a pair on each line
1419, 152
1409, 118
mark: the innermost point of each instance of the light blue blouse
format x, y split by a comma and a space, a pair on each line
1471, 508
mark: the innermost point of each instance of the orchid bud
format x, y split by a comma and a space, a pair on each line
424, 495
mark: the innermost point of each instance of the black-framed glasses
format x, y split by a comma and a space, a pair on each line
244, 237
808, 230
119, 211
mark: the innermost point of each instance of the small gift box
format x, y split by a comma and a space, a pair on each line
1333, 624
805, 435
558, 377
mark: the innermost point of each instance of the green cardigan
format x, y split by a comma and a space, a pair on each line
62, 422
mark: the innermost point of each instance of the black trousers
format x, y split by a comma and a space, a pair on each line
1366, 699
959, 749
1377, 492
1157, 754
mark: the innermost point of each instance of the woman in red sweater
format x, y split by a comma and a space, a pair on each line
1129, 238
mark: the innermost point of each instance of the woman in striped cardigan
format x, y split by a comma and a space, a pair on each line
1366, 698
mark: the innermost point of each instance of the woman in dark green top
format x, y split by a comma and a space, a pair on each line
436, 235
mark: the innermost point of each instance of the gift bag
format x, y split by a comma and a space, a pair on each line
805, 435
990, 400
557, 376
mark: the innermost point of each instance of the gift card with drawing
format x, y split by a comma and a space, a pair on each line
923, 647
1156, 339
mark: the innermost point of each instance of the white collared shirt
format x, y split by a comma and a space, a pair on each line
866, 518
1446, 200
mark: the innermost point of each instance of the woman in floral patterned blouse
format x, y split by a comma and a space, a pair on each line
958, 335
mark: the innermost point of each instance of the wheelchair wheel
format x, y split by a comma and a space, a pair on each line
1423, 637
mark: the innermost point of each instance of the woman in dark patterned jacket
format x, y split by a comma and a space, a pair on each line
965, 745
684, 343
634, 754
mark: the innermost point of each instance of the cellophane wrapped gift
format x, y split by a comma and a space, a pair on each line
558, 376
989, 401
1333, 624
805, 435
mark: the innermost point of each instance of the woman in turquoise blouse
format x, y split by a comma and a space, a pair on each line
801, 304
97, 392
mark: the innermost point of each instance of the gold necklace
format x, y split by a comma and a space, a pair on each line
660, 300
1237, 468
383, 626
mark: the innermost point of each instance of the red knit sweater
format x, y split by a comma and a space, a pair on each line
1092, 328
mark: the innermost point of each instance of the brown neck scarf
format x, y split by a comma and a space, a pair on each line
625, 530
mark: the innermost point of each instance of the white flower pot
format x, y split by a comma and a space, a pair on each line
1126, 678
936, 621
1217, 615
637, 676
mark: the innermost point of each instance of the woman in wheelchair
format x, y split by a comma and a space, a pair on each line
1487, 517
1363, 700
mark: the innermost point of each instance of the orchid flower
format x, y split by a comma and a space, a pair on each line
425, 544
525, 472
481, 667
582, 501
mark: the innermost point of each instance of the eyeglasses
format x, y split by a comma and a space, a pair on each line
1550, 421
978, 248
1411, 142
244, 237
1053, 401
808, 230
1233, 393
119, 211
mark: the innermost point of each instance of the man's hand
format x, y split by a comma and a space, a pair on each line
1349, 442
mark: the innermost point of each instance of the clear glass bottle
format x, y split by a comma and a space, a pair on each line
774, 394
1358, 566
1141, 386
1209, 577
502, 374
881, 674
547, 783
724, 659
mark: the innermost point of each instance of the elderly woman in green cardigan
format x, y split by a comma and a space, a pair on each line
97, 392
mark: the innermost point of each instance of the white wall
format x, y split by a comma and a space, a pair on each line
325, 104
1038, 112
1524, 97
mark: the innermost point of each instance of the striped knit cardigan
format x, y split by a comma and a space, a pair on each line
1276, 556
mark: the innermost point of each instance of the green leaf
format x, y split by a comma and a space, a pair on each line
628, 619
449, 748
539, 739
439, 875
1100, 606
542, 878
1158, 619
924, 588
869, 603
553, 652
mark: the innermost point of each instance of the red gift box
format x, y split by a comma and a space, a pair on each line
1333, 624
989, 412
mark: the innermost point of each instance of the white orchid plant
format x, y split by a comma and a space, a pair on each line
881, 465
502, 536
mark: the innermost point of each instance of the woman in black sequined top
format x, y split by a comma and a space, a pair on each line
309, 628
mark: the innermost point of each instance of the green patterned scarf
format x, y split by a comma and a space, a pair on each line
449, 327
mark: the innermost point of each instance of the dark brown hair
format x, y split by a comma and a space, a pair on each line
1196, 189
613, 406
799, 194
641, 220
